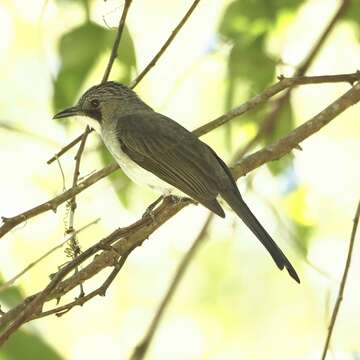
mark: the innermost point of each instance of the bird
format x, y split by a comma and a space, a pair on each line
158, 152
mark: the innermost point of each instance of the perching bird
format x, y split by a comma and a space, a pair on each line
154, 150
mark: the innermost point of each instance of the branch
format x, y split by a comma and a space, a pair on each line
10, 223
343, 282
61, 310
135, 234
115, 47
284, 83
296, 136
166, 44
314, 52
66, 148
72, 201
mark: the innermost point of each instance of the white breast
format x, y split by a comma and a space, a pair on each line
135, 172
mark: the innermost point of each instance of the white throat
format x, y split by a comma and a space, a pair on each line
135, 172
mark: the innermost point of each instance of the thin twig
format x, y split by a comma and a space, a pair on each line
7, 125
65, 149
72, 201
324, 36
268, 122
10, 222
73, 243
11, 282
166, 44
282, 84
141, 349
61, 310
343, 282
115, 47
295, 137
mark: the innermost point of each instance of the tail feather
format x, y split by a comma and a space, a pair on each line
242, 210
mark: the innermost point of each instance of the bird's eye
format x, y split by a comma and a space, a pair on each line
95, 103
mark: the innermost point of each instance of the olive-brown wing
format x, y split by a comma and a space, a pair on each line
166, 149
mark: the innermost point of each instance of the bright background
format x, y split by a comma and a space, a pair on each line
233, 302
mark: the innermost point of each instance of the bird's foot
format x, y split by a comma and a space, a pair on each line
179, 199
150, 209
174, 199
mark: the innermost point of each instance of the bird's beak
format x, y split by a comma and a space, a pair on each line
71, 111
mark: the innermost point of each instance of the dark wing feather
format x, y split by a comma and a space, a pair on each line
163, 147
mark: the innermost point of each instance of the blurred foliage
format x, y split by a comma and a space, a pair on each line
23, 344
218, 298
302, 236
353, 14
246, 25
279, 123
80, 49
11, 296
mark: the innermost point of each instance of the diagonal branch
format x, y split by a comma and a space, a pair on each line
155, 59
295, 137
65, 149
343, 282
115, 47
80, 301
10, 222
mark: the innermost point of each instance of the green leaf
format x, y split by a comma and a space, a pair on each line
249, 64
249, 18
24, 345
11, 296
126, 54
353, 15
121, 183
302, 235
278, 127
79, 50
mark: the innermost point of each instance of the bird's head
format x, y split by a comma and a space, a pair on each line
100, 101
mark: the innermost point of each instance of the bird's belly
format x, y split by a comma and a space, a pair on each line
135, 172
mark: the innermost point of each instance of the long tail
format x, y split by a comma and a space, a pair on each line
234, 199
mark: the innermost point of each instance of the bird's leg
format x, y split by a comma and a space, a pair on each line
175, 199
152, 206
178, 199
